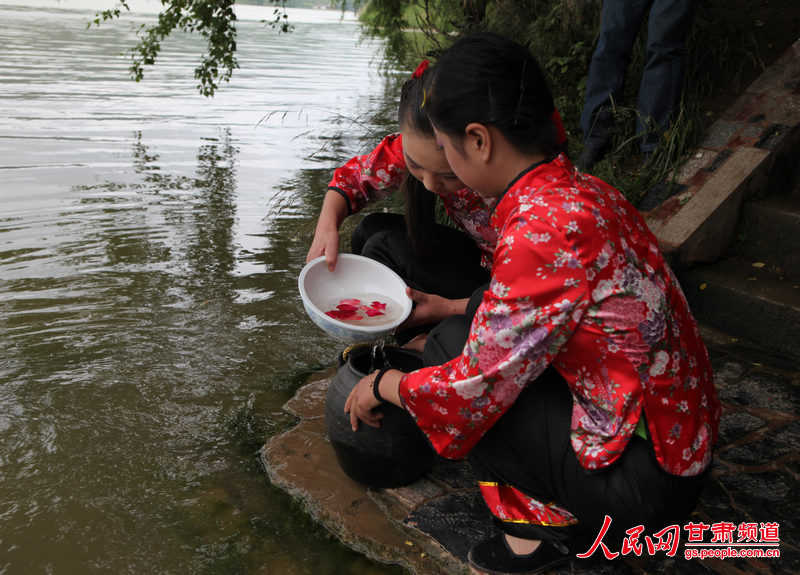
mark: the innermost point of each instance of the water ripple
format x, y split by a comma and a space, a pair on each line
150, 322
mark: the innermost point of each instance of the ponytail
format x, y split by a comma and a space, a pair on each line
420, 213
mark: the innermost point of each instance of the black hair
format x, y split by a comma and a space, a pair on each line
492, 80
420, 203
410, 113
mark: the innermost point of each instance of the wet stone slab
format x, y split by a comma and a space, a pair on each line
735, 425
773, 447
429, 526
763, 390
757, 458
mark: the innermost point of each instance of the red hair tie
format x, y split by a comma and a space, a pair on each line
420, 69
561, 134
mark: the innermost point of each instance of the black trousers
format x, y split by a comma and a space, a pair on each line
451, 269
529, 449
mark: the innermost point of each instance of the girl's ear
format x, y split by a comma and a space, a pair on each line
478, 141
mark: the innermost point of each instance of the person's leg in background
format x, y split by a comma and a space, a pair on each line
620, 21
662, 80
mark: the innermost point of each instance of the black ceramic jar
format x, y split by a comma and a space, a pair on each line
392, 455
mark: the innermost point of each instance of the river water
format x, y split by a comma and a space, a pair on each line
150, 325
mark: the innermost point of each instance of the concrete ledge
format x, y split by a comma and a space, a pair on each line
706, 225
750, 151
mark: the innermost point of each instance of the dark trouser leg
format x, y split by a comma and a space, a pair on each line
620, 21
452, 268
662, 79
447, 339
529, 448
373, 224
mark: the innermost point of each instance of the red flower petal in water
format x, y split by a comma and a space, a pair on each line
343, 315
348, 310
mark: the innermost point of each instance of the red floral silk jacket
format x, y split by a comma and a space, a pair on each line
578, 282
376, 175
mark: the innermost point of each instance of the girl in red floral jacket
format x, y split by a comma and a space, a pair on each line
583, 389
442, 264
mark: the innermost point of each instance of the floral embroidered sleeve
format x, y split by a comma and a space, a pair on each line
373, 176
536, 298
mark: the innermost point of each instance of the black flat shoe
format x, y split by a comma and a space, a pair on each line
495, 556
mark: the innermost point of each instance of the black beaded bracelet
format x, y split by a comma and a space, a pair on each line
375, 391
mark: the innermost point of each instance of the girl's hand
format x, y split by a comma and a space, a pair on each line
361, 402
432, 308
325, 243
326, 235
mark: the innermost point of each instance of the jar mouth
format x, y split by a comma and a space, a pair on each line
343, 357
362, 360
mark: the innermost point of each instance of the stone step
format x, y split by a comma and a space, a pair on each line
749, 300
770, 232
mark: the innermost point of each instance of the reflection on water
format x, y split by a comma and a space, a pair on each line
150, 327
